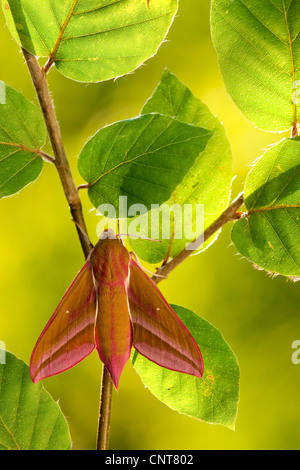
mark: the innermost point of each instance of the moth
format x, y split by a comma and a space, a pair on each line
112, 305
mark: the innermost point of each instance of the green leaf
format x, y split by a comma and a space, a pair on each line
258, 46
91, 41
143, 158
214, 397
2, 92
209, 180
29, 417
22, 135
269, 235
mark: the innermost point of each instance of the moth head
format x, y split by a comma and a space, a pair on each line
108, 233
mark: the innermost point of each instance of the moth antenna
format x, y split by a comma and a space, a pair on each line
137, 236
119, 230
144, 269
84, 234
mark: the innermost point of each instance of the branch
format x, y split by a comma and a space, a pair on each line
104, 410
60, 159
39, 80
46, 157
228, 215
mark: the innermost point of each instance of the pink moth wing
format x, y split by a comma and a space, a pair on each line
113, 305
158, 333
68, 336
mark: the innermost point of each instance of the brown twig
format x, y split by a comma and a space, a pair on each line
39, 80
228, 215
83, 186
46, 157
104, 411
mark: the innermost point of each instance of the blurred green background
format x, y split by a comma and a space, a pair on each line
40, 255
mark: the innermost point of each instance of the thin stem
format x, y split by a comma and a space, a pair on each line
228, 215
39, 152
295, 130
46, 157
39, 80
104, 410
48, 65
83, 186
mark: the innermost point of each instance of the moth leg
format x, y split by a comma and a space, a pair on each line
84, 234
133, 255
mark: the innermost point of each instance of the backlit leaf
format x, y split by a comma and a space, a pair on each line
22, 135
90, 40
143, 159
269, 235
207, 183
258, 46
214, 397
29, 417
